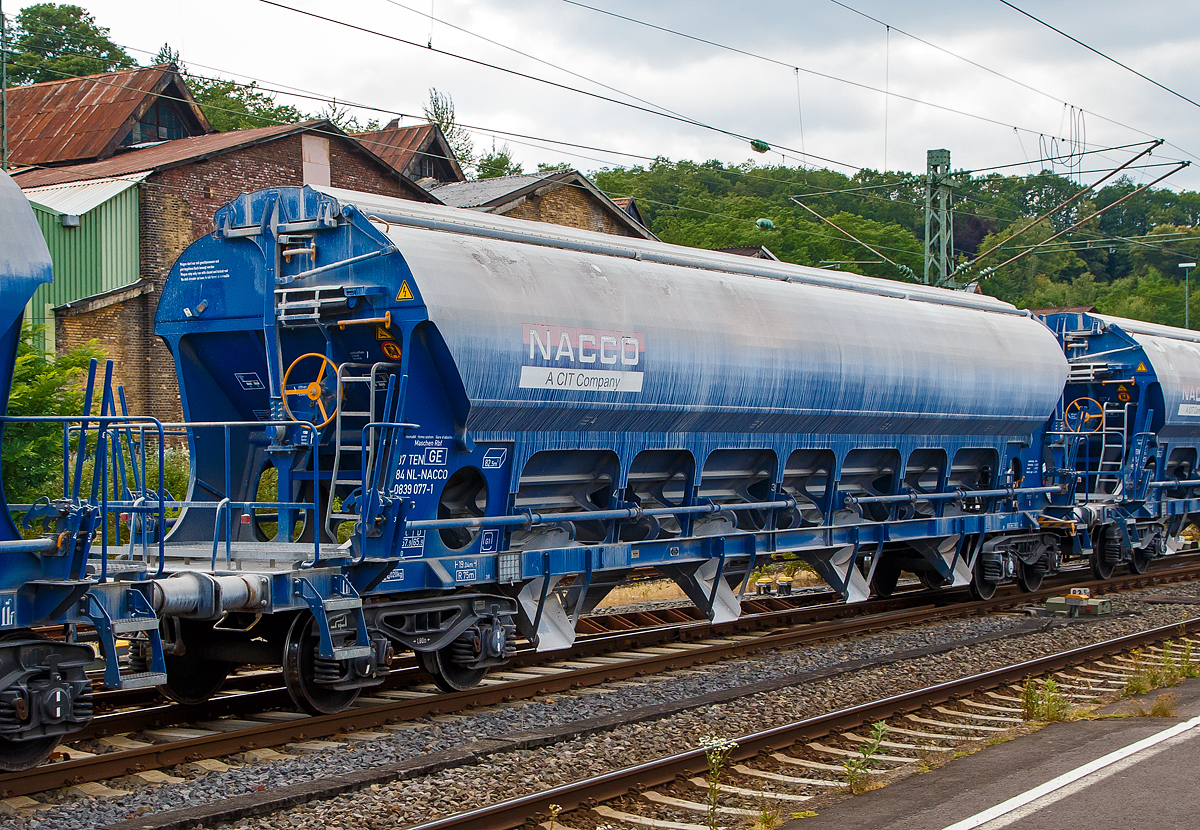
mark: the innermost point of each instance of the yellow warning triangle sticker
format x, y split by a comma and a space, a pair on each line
405, 292
383, 334
1141, 367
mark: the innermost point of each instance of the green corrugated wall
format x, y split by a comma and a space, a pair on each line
98, 256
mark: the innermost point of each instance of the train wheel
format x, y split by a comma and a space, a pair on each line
17, 756
1101, 568
981, 588
887, 574
193, 681
300, 664
930, 580
449, 675
1029, 577
1102, 565
1139, 561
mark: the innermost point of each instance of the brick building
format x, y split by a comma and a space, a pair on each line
561, 197
420, 152
181, 183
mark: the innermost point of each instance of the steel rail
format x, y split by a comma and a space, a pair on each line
921, 605
125, 762
586, 793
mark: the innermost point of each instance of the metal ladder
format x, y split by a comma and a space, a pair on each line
351, 439
1114, 438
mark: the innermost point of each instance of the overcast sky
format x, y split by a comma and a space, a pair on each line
855, 126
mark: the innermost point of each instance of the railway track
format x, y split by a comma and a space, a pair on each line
791, 764
172, 734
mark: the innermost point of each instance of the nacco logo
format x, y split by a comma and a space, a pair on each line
568, 346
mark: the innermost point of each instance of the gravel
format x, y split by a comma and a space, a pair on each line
514, 773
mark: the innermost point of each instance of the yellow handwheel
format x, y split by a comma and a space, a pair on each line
1084, 411
314, 392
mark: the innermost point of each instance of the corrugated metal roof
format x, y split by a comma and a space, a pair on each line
78, 198
503, 192
399, 146
157, 156
197, 148
485, 191
86, 118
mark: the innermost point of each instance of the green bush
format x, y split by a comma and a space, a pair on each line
31, 455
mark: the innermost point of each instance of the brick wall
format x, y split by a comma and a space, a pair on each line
177, 207
121, 331
571, 206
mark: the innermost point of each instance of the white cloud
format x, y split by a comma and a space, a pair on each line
731, 91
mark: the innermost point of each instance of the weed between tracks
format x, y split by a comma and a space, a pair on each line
716, 750
1044, 703
1150, 675
858, 770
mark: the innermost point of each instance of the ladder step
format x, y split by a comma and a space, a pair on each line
139, 624
351, 652
342, 603
343, 516
143, 680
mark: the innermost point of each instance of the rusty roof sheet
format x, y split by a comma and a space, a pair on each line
399, 146
197, 148
80, 119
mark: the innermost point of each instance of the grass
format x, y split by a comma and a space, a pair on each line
1147, 675
1164, 706
769, 817
858, 769
1044, 703
650, 591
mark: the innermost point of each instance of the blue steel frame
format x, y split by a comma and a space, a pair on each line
241, 297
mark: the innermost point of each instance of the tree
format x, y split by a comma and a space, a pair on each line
499, 162
31, 456
54, 41
344, 120
229, 105
543, 167
439, 109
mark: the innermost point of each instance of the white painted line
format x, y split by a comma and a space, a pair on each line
1059, 786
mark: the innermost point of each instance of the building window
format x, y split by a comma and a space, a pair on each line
160, 123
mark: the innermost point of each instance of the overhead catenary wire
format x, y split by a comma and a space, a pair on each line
789, 65
738, 172
548, 82
903, 269
1093, 49
520, 138
981, 66
1068, 201
1086, 219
